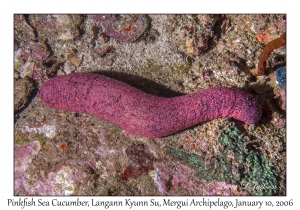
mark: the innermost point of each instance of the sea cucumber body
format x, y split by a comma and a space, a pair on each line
141, 113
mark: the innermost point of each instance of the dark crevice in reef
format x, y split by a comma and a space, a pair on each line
27, 19
212, 41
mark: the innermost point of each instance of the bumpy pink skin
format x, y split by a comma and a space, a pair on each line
141, 113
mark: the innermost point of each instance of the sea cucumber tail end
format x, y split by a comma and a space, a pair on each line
247, 108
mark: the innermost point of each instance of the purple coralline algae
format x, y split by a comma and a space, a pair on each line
30, 180
180, 180
39, 51
23, 158
62, 181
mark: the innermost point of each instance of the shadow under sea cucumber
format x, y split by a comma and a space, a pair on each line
143, 114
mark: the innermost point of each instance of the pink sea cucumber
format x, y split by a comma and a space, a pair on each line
141, 113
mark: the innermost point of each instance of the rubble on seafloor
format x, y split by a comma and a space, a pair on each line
66, 153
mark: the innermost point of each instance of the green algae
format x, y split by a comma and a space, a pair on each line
203, 170
182, 69
150, 67
248, 169
21, 139
257, 175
